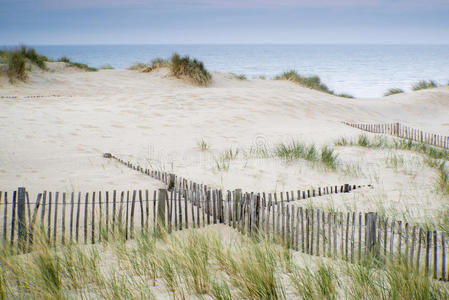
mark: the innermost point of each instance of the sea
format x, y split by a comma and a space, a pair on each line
363, 71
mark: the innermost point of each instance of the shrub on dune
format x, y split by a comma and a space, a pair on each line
424, 84
191, 69
393, 91
16, 67
37, 59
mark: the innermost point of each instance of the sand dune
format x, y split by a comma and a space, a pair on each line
56, 142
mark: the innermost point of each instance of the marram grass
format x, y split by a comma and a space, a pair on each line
202, 263
311, 82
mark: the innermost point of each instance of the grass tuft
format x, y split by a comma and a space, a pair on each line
191, 69
76, 64
311, 82
344, 95
34, 57
240, 76
393, 91
137, 66
423, 84
16, 67
203, 145
106, 67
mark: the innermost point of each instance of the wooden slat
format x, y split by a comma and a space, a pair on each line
428, 243
33, 220
93, 219
359, 256
435, 254
107, 216
49, 218
21, 219
5, 217
86, 203
133, 204
127, 215
72, 207
63, 217
443, 257
329, 231
318, 227
352, 236
418, 257
55, 227
77, 217
100, 217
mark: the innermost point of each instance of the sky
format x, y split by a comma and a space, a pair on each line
61, 22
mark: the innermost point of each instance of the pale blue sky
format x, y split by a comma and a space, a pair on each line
213, 21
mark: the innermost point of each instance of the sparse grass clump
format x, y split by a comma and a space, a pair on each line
16, 67
76, 64
137, 66
106, 67
344, 95
191, 69
297, 150
393, 91
423, 84
311, 82
159, 62
240, 76
203, 145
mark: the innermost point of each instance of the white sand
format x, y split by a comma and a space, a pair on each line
56, 143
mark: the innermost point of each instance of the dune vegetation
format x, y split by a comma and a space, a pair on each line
202, 263
393, 91
19, 61
77, 65
184, 67
191, 69
424, 84
311, 82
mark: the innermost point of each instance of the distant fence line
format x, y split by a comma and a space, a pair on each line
91, 217
31, 96
401, 131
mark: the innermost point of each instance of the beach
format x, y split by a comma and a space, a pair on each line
56, 142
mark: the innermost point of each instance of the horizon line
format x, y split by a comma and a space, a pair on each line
228, 44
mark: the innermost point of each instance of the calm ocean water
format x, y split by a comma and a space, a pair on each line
360, 70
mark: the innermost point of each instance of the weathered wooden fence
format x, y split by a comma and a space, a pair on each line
91, 217
401, 131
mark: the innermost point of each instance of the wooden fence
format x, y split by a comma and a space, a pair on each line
401, 131
91, 217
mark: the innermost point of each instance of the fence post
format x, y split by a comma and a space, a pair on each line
171, 181
371, 232
396, 129
21, 218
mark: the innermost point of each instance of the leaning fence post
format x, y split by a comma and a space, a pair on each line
21, 218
